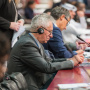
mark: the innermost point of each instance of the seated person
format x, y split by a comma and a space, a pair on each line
29, 14
56, 44
28, 55
72, 30
4, 54
73, 46
80, 14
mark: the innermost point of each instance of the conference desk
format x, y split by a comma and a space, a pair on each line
79, 74
87, 13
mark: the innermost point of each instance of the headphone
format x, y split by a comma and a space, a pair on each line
40, 31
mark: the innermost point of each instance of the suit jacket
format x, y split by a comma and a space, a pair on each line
29, 59
56, 45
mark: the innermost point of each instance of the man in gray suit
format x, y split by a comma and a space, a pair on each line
28, 56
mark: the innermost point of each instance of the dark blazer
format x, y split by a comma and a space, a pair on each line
29, 14
26, 57
56, 45
7, 15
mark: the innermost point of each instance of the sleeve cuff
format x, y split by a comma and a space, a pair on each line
72, 63
74, 53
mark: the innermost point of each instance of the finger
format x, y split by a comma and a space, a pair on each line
80, 51
81, 60
19, 24
82, 47
81, 57
17, 29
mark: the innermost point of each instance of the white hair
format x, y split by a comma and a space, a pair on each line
41, 20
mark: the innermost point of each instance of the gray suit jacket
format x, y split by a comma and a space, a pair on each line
26, 57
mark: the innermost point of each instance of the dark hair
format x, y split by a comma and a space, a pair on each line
47, 10
78, 5
58, 11
4, 45
30, 2
4, 52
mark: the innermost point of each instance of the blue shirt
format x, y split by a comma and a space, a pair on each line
56, 45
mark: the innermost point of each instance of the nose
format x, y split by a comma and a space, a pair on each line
51, 35
74, 13
65, 28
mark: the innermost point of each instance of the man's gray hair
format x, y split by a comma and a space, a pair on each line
58, 11
41, 20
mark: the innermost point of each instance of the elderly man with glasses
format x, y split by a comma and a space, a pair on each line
56, 44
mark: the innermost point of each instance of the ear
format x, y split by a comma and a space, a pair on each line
62, 17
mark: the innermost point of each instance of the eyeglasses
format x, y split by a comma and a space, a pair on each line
68, 21
47, 30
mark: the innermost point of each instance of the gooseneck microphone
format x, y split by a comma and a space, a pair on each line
82, 40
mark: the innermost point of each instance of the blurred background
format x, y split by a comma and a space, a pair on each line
39, 6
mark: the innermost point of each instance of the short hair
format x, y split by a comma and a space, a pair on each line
78, 5
58, 11
41, 20
30, 2
47, 10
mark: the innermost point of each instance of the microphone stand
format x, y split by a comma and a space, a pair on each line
83, 40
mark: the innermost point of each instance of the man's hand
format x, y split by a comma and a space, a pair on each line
77, 59
80, 13
21, 22
80, 52
81, 46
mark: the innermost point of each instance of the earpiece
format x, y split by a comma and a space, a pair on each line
40, 30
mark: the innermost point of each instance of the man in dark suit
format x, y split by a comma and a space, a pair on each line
56, 44
28, 56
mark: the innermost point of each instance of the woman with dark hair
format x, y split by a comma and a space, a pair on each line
4, 54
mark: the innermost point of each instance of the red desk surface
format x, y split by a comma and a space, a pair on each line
76, 75
87, 40
87, 69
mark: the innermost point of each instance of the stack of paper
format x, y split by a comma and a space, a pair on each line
16, 34
76, 85
87, 54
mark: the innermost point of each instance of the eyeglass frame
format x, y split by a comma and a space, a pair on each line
47, 30
68, 21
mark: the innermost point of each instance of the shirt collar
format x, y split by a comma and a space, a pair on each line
35, 40
55, 24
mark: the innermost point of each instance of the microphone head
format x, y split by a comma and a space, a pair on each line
83, 40
78, 36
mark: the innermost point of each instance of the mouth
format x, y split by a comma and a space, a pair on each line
48, 38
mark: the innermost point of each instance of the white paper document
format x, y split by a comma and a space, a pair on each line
16, 34
87, 54
76, 85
